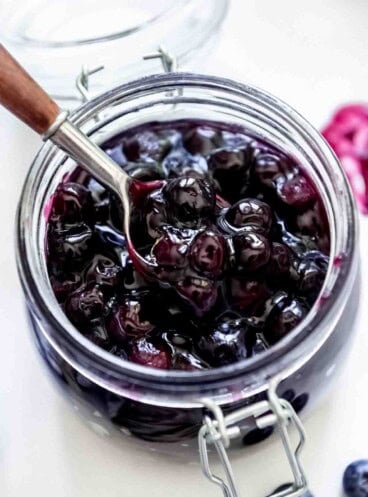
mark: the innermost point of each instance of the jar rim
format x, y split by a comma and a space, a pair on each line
294, 350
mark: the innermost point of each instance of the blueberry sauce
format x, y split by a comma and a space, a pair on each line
237, 230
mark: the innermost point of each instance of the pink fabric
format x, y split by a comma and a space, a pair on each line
347, 133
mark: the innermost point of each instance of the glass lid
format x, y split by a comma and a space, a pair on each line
55, 39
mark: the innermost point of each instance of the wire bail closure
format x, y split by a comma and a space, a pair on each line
219, 430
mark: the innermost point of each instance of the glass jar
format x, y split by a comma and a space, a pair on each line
53, 39
162, 406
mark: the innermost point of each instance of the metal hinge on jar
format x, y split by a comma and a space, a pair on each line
168, 62
218, 430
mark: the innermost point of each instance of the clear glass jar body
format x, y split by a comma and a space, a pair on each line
165, 405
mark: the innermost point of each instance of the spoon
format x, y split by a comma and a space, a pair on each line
24, 98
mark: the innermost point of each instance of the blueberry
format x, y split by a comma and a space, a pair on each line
201, 140
67, 243
355, 479
71, 203
271, 169
250, 212
280, 262
200, 293
285, 315
248, 294
297, 192
171, 249
104, 271
146, 146
312, 270
189, 201
129, 320
252, 251
150, 352
257, 435
181, 163
207, 253
311, 222
225, 343
65, 284
184, 357
85, 305
230, 170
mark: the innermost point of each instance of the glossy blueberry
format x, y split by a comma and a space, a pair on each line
184, 357
128, 320
248, 294
72, 203
67, 243
85, 304
252, 251
180, 163
252, 213
171, 249
190, 201
201, 140
280, 262
355, 479
144, 146
297, 192
200, 293
104, 271
150, 352
230, 170
285, 315
271, 169
312, 270
225, 343
207, 253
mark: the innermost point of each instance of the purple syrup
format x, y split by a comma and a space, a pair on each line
237, 230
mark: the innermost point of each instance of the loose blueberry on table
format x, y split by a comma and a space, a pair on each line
238, 233
355, 479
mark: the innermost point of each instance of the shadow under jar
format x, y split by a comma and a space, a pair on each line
166, 406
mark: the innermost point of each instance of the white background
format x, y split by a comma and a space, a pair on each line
312, 54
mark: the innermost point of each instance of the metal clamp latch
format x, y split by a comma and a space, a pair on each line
218, 430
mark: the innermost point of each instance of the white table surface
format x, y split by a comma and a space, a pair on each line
313, 55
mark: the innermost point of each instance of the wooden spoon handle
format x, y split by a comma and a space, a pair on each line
22, 96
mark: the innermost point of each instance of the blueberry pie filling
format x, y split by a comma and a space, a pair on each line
238, 232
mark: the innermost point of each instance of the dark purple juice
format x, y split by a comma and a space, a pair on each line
238, 232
